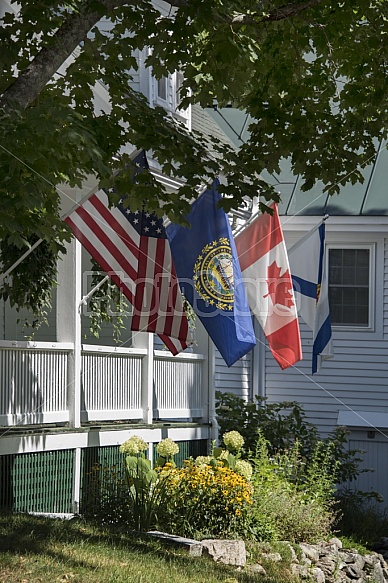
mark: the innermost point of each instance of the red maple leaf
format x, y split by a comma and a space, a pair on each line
279, 286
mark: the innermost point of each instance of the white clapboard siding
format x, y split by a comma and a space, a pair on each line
374, 458
385, 292
111, 385
33, 385
235, 379
357, 377
178, 390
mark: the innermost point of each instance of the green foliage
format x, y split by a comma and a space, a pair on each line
282, 424
107, 304
30, 283
105, 496
292, 499
361, 518
298, 69
206, 500
146, 492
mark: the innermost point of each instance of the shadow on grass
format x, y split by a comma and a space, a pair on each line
24, 534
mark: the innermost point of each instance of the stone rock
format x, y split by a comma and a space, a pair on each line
336, 541
352, 557
310, 551
317, 575
352, 571
229, 552
378, 574
255, 569
327, 564
193, 547
275, 557
301, 571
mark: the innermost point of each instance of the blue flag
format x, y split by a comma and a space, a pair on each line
209, 274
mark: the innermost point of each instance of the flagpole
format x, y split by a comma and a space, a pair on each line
26, 254
62, 217
87, 296
307, 235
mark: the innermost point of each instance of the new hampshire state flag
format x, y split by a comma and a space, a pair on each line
209, 274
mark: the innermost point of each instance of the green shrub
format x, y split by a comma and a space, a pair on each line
292, 499
209, 496
205, 500
361, 518
282, 424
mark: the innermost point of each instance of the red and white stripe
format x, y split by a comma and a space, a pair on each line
140, 266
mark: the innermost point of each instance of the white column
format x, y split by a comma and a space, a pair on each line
69, 293
146, 340
76, 480
206, 347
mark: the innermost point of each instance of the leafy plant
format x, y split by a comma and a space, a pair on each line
107, 304
361, 518
256, 57
292, 499
30, 283
205, 499
282, 424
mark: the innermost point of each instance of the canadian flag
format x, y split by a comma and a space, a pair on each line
266, 275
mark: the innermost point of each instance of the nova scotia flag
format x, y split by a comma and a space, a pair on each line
309, 278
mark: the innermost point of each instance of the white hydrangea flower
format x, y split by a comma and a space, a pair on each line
133, 445
233, 440
202, 460
167, 448
244, 469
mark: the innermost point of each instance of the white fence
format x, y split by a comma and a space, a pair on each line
111, 383
178, 386
34, 384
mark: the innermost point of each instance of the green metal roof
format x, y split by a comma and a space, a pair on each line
369, 198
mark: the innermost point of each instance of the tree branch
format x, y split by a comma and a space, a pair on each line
31, 82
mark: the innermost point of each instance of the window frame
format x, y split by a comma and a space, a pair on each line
172, 101
371, 247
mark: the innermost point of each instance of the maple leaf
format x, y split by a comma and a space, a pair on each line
279, 287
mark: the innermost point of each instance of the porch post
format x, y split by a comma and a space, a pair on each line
206, 347
69, 294
146, 340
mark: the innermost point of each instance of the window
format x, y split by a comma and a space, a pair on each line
178, 84
162, 88
350, 286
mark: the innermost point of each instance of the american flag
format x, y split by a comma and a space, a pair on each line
132, 248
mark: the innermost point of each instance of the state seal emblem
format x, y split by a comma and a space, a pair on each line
213, 274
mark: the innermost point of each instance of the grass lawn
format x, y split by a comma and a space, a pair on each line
43, 550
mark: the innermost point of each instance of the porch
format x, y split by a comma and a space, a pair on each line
54, 425
37, 385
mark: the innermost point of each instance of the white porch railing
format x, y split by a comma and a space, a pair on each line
111, 383
178, 389
33, 382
